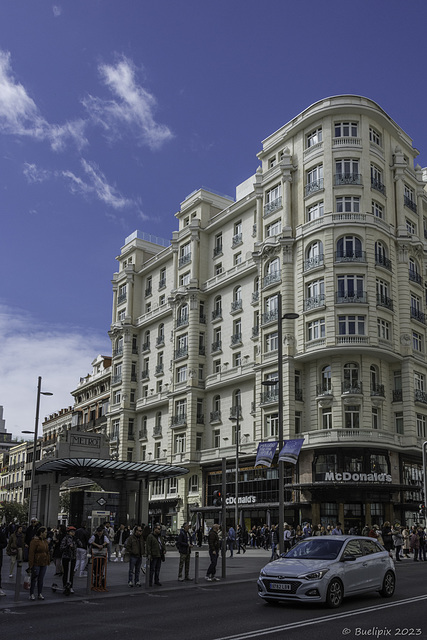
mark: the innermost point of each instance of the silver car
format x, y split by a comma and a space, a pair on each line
327, 569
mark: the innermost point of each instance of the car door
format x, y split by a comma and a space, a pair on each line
375, 563
352, 567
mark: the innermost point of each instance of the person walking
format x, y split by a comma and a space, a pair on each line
214, 546
135, 547
15, 548
38, 562
274, 542
231, 539
387, 536
120, 538
3, 545
414, 542
68, 551
82, 542
397, 536
184, 544
240, 537
156, 554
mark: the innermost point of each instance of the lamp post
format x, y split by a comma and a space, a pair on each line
32, 514
281, 316
236, 419
425, 478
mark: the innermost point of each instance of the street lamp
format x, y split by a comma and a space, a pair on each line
32, 514
279, 382
425, 478
236, 419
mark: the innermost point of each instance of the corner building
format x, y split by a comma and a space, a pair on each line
335, 220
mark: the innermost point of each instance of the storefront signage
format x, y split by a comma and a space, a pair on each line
346, 476
85, 441
240, 500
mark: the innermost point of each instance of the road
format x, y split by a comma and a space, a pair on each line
224, 611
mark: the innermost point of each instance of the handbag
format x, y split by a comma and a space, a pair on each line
27, 582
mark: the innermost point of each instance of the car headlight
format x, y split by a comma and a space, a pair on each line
314, 575
262, 572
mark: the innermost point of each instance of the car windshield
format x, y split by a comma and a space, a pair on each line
318, 549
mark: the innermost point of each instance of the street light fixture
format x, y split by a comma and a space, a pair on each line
31, 513
279, 382
236, 419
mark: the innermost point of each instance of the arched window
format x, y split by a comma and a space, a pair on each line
161, 334
351, 382
273, 266
236, 409
158, 419
314, 255
183, 315
326, 384
414, 270
216, 409
349, 247
217, 310
236, 305
146, 343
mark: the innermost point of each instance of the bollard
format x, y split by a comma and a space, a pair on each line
18, 581
147, 572
196, 567
89, 566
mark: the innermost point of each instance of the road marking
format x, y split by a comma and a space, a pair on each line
312, 621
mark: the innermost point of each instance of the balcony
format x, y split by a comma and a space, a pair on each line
182, 352
351, 388
160, 341
298, 395
236, 339
384, 301
217, 314
272, 206
382, 261
145, 374
270, 396
162, 283
236, 240
313, 187
215, 416
270, 316
346, 141
148, 292
145, 347
397, 395
323, 389
354, 435
216, 346
185, 259
271, 278
255, 297
116, 379
117, 352
159, 370
236, 305
313, 263
179, 420
415, 277
202, 350
408, 202
200, 418
217, 250
255, 332
350, 256
182, 321
420, 396
347, 178
416, 314
314, 302
236, 412
121, 298
378, 185
143, 434
377, 390
346, 297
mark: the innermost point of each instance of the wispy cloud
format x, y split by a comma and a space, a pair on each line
61, 355
35, 174
20, 116
57, 10
131, 110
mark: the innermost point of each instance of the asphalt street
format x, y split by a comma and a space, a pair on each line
225, 610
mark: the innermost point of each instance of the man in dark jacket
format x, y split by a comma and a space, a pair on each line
214, 544
184, 544
81, 537
155, 553
135, 546
31, 531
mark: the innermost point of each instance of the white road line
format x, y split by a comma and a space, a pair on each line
312, 621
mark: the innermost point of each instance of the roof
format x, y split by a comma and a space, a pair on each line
101, 468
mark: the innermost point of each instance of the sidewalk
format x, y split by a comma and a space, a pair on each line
241, 567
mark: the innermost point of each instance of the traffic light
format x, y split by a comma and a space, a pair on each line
422, 509
217, 498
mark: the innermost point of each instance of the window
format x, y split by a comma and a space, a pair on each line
327, 418
181, 374
182, 315
383, 293
377, 210
273, 200
351, 325
216, 345
414, 272
351, 416
347, 171
122, 293
185, 254
216, 439
218, 244
121, 315
409, 198
375, 418
271, 341
417, 342
419, 381
181, 409
237, 258
218, 269
184, 280
162, 278
326, 379
421, 426
346, 129
272, 162
316, 329
314, 137
236, 338
193, 484
383, 328
160, 335
398, 421
237, 237
315, 211
374, 136
349, 247
216, 366
350, 289
348, 204
173, 485
148, 286
381, 255
272, 425
411, 227
314, 181
314, 255
315, 294
237, 359
273, 229
116, 397
377, 179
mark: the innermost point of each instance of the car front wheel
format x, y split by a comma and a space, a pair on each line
389, 584
334, 594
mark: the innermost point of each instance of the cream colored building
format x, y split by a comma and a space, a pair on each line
334, 219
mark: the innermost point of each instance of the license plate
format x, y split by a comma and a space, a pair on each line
280, 586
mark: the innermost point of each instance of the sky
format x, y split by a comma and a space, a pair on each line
113, 111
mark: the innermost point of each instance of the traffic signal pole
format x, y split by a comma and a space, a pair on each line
224, 520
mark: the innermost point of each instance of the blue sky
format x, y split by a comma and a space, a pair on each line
112, 111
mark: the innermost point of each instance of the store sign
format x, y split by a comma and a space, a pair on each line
85, 441
240, 500
346, 476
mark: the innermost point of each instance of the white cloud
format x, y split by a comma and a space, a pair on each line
60, 354
20, 116
35, 174
57, 10
132, 109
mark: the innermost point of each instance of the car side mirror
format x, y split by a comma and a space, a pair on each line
348, 558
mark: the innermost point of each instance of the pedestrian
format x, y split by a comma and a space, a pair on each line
3, 545
15, 548
30, 532
231, 539
397, 540
68, 558
240, 537
414, 542
120, 538
38, 562
422, 536
287, 542
99, 543
155, 554
135, 547
58, 535
214, 545
387, 536
184, 544
199, 535
337, 531
109, 532
406, 544
82, 542
274, 542
307, 530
